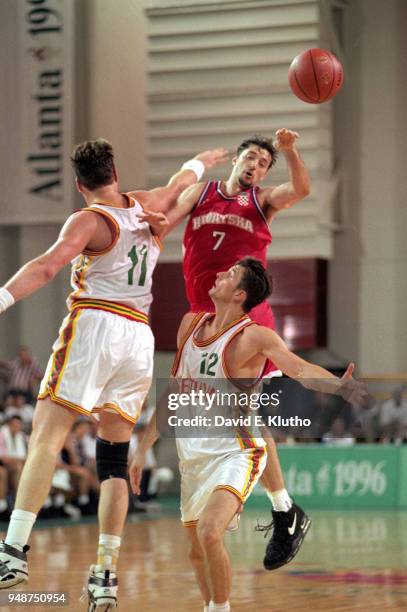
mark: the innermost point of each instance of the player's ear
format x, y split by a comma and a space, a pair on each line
234, 160
79, 185
115, 178
240, 295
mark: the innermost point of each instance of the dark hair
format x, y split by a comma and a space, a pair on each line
93, 163
255, 281
80, 421
263, 143
13, 416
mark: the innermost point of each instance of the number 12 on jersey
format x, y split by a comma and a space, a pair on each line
135, 258
208, 363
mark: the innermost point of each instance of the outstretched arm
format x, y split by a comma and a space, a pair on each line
73, 239
308, 374
184, 206
161, 199
298, 187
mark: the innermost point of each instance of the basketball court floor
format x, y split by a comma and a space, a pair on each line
351, 560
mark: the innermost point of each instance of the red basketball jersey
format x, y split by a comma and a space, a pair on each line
221, 230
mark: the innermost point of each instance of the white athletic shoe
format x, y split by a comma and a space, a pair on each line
13, 565
101, 590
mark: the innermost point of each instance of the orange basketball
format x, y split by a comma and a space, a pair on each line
315, 76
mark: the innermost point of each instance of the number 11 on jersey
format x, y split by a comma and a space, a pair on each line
134, 258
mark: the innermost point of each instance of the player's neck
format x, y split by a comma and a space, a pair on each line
232, 186
109, 194
225, 314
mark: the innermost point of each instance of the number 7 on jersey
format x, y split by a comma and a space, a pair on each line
220, 237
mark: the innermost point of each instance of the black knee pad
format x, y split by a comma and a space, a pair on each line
111, 459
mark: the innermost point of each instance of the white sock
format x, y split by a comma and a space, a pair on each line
108, 552
20, 526
3, 505
223, 607
83, 500
280, 499
206, 608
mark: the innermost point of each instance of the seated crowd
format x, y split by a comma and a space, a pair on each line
75, 485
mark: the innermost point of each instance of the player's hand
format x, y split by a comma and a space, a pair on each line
285, 139
353, 391
156, 220
213, 157
135, 471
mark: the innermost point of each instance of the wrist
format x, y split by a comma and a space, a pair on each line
196, 166
6, 299
291, 149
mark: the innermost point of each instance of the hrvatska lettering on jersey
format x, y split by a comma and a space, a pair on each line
221, 230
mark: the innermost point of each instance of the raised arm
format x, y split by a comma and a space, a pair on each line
185, 204
298, 187
161, 199
73, 239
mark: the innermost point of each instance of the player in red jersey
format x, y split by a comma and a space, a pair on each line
227, 222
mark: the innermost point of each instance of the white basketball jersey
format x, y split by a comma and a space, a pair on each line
123, 272
203, 364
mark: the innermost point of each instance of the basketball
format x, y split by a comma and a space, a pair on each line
315, 76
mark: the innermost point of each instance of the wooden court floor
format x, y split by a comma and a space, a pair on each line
350, 561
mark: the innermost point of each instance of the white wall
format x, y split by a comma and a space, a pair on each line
116, 97
368, 291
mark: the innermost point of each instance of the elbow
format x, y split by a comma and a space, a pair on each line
304, 191
49, 272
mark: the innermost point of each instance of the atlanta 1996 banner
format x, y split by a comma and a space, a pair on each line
46, 72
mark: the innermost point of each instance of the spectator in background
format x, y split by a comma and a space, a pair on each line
366, 428
84, 433
393, 417
13, 450
83, 478
337, 435
23, 373
16, 404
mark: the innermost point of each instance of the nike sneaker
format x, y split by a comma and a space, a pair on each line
289, 531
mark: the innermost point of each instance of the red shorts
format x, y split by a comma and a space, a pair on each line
261, 314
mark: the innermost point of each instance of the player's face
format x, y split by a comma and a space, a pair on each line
252, 166
227, 284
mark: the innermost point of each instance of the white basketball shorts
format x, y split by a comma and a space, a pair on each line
236, 472
101, 361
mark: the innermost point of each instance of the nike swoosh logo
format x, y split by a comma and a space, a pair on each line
292, 528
